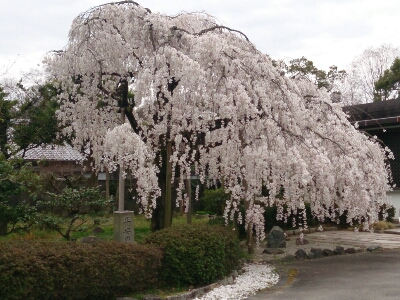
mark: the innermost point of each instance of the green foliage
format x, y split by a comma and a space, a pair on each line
196, 255
39, 125
60, 270
214, 201
388, 84
305, 68
271, 221
6, 115
80, 200
16, 178
32, 118
73, 205
14, 218
387, 213
203, 212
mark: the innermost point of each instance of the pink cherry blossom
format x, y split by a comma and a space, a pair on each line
229, 113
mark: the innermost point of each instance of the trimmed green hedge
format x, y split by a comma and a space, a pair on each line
196, 255
59, 270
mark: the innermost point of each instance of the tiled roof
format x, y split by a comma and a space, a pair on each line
54, 153
374, 110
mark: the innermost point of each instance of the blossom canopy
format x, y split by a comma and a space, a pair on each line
227, 112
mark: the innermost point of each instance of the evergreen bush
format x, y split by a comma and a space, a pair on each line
214, 201
196, 255
67, 270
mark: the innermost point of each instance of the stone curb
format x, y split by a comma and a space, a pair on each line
198, 292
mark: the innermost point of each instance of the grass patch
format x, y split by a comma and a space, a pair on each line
162, 293
142, 231
141, 225
383, 225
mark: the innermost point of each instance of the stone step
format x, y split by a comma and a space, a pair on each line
392, 231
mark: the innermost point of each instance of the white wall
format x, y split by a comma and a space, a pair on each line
395, 198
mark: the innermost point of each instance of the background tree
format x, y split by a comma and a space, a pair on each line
305, 69
16, 178
74, 204
388, 84
37, 121
365, 70
6, 115
206, 97
27, 117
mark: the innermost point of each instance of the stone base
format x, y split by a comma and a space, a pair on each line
123, 226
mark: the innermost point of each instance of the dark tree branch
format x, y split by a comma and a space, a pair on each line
204, 31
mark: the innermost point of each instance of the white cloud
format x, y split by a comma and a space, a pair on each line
325, 31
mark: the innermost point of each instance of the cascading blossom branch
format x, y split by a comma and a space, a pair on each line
206, 100
123, 148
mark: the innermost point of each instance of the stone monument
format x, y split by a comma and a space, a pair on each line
276, 238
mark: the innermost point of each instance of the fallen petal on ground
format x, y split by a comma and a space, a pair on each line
255, 278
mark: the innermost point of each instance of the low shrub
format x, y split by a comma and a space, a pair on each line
74, 204
203, 212
66, 270
196, 255
383, 225
271, 221
214, 201
387, 213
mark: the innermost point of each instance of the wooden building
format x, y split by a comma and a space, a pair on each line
382, 119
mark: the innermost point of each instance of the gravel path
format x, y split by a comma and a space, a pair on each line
256, 277
292, 247
261, 274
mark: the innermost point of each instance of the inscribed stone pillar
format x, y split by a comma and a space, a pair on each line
123, 226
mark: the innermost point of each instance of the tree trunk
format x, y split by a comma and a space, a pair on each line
249, 229
188, 183
168, 189
121, 190
121, 179
162, 214
3, 229
117, 197
182, 207
107, 184
249, 232
158, 215
93, 181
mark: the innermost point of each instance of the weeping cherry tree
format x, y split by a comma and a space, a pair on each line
206, 99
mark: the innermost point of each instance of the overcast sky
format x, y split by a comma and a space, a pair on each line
328, 32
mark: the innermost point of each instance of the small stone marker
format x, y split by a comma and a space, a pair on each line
350, 250
97, 230
374, 248
89, 239
123, 226
317, 252
339, 250
276, 238
302, 241
300, 254
266, 251
327, 252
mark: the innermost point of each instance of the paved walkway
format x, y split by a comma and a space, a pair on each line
358, 276
388, 240
361, 276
